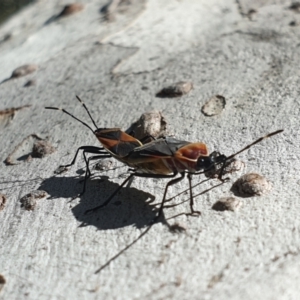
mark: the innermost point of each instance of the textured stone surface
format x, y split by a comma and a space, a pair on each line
117, 66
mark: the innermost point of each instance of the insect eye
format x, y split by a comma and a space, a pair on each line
204, 163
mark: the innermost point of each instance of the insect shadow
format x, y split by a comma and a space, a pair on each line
130, 207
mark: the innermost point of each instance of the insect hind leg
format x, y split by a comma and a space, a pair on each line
92, 150
110, 197
96, 150
86, 149
87, 171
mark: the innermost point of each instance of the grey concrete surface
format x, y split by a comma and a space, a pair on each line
117, 64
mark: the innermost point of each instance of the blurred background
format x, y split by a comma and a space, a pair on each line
9, 7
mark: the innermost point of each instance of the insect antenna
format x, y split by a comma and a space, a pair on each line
223, 159
66, 112
255, 142
83, 104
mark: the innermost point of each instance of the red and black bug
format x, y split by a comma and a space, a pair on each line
167, 157
162, 158
115, 142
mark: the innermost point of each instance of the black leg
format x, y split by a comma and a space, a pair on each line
110, 197
193, 212
87, 161
87, 149
221, 173
174, 181
87, 171
123, 183
92, 150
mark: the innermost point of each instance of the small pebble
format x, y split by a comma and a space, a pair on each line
60, 170
29, 83
71, 9
24, 150
250, 13
104, 165
29, 201
42, 148
175, 90
214, 106
2, 282
24, 70
227, 203
177, 228
150, 124
251, 184
293, 23
6, 37
295, 6
2, 201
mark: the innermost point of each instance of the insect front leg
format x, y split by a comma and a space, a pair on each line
221, 173
172, 182
214, 169
193, 212
224, 162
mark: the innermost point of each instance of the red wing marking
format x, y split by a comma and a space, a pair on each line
117, 142
108, 143
192, 151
